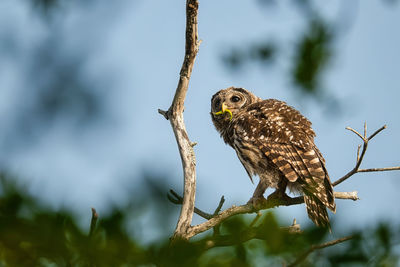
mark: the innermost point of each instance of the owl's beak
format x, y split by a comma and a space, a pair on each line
224, 110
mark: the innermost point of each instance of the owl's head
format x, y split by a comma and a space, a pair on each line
226, 103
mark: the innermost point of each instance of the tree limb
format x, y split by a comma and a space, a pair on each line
175, 116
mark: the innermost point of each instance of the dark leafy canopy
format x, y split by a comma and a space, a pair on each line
32, 234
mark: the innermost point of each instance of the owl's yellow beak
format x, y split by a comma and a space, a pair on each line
224, 110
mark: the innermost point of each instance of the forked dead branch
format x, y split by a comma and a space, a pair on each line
175, 116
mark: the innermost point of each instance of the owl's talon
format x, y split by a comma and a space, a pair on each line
278, 195
257, 202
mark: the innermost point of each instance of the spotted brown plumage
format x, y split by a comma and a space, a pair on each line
275, 142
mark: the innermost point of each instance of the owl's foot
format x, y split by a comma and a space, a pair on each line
257, 202
278, 195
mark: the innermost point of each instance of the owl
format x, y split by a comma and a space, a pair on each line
275, 142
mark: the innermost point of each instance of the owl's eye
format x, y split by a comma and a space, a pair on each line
235, 98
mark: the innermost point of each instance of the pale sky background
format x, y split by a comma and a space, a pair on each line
138, 46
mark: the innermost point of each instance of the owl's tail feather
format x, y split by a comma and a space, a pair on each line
316, 210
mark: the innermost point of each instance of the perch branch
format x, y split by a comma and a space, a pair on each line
175, 116
303, 256
249, 208
177, 199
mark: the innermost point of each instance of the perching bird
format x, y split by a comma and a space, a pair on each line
275, 142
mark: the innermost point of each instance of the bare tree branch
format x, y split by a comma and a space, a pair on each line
360, 157
303, 256
175, 116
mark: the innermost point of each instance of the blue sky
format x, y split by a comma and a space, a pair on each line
138, 47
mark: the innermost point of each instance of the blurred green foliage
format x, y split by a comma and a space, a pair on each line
312, 56
32, 234
310, 53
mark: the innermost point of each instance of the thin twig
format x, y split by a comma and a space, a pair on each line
219, 207
357, 133
303, 256
164, 113
377, 131
294, 228
365, 130
177, 199
217, 210
93, 222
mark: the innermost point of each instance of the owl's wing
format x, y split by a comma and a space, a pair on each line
286, 138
